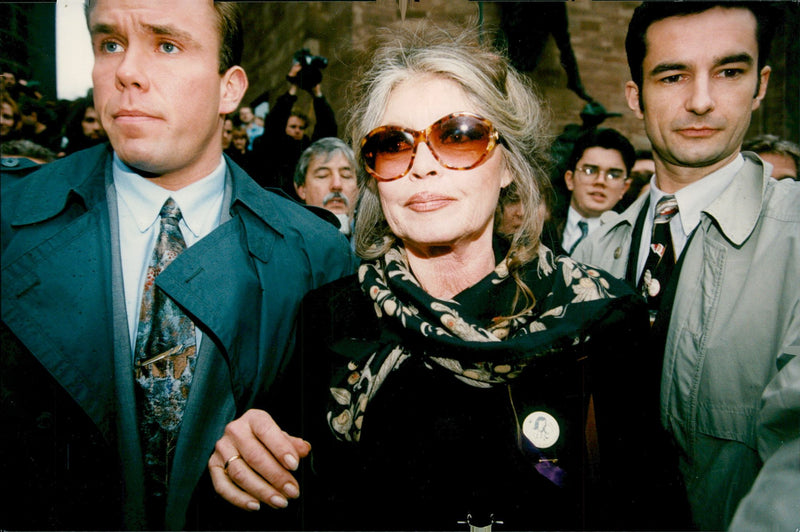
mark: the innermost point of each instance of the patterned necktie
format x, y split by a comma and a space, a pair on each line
661, 258
584, 227
164, 359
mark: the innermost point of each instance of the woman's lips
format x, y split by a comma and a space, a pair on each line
424, 202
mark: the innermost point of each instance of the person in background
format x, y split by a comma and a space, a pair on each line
253, 129
9, 117
598, 176
714, 246
34, 125
642, 172
326, 177
227, 133
783, 155
284, 140
83, 128
426, 382
148, 285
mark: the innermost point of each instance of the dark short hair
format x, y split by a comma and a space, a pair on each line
773, 144
327, 147
650, 12
644, 154
229, 24
299, 114
607, 138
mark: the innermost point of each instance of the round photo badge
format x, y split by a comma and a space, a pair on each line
541, 429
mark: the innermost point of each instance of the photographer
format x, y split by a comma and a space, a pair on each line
277, 151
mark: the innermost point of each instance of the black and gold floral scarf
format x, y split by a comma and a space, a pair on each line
468, 335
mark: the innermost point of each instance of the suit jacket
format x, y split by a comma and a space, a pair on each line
730, 389
68, 388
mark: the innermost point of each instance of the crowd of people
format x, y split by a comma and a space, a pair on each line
214, 318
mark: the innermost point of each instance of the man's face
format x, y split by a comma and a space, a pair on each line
92, 128
598, 182
246, 115
330, 183
296, 127
700, 77
157, 86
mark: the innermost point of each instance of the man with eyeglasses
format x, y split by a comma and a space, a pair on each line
599, 167
714, 246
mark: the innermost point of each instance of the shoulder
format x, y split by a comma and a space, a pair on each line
340, 313
44, 192
288, 233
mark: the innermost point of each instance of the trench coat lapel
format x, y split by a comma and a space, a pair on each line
56, 295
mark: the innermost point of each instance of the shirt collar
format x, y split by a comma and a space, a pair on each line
145, 198
693, 199
573, 217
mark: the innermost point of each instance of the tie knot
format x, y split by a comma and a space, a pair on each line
584, 227
170, 212
666, 208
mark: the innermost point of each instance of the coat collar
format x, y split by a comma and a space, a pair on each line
737, 209
77, 176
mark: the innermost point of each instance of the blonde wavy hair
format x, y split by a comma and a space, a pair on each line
497, 91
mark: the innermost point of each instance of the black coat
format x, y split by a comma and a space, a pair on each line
434, 451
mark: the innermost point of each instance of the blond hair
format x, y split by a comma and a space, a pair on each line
498, 92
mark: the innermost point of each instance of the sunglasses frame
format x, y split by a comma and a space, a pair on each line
424, 136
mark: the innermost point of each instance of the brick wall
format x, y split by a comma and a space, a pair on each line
274, 30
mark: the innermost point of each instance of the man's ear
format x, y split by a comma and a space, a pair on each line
301, 191
632, 96
233, 85
762, 88
569, 179
626, 186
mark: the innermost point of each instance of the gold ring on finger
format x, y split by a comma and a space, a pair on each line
229, 460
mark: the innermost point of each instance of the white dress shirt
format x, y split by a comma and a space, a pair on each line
692, 200
139, 203
571, 230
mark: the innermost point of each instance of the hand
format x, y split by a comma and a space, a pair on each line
252, 462
293, 79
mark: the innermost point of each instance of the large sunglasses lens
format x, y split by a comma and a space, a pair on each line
460, 141
387, 152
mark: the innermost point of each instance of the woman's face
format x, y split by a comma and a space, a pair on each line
240, 142
6, 119
432, 206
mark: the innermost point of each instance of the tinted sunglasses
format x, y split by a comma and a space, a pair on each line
458, 141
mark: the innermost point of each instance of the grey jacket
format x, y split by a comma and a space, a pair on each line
730, 389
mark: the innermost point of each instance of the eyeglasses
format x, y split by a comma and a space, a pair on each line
458, 141
613, 175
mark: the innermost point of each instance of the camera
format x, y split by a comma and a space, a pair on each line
311, 69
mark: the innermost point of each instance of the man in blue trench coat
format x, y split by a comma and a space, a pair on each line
78, 240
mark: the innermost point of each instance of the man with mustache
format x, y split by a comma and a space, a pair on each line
149, 287
714, 246
598, 177
325, 177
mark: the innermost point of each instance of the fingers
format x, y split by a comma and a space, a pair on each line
230, 491
267, 454
296, 67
